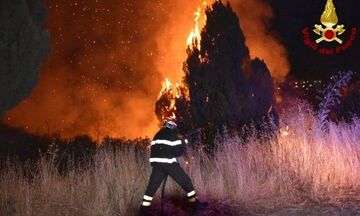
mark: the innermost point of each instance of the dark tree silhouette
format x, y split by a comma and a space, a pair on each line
24, 45
260, 111
214, 73
260, 88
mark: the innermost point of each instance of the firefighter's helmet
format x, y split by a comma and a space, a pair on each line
170, 119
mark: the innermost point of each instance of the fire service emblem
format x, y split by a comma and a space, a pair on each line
329, 19
329, 31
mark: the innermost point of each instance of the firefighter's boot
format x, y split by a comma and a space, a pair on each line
198, 206
144, 211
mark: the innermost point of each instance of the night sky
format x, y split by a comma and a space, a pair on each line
110, 57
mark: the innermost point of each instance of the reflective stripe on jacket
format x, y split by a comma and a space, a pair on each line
166, 146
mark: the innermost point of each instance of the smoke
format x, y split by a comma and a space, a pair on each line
101, 79
172, 40
110, 58
255, 16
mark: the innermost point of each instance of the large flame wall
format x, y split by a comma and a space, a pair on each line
109, 59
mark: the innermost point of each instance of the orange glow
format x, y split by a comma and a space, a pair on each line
192, 40
173, 41
113, 91
262, 42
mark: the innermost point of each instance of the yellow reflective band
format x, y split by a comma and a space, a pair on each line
192, 200
148, 198
145, 203
166, 142
163, 160
191, 193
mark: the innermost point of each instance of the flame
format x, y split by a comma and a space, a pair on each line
194, 37
329, 17
177, 90
284, 131
120, 110
192, 41
166, 86
171, 93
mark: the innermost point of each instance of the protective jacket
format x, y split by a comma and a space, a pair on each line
166, 146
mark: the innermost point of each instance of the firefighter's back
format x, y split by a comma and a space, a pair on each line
166, 146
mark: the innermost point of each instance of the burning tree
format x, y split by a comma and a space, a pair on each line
165, 101
214, 74
226, 89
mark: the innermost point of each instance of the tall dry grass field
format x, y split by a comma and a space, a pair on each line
304, 164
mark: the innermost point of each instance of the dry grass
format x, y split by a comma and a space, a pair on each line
304, 165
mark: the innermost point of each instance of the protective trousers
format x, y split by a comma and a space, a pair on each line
176, 172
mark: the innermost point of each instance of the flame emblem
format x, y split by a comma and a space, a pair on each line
329, 19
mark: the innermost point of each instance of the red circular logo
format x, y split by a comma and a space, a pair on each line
329, 34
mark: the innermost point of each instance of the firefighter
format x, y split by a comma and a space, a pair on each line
168, 144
